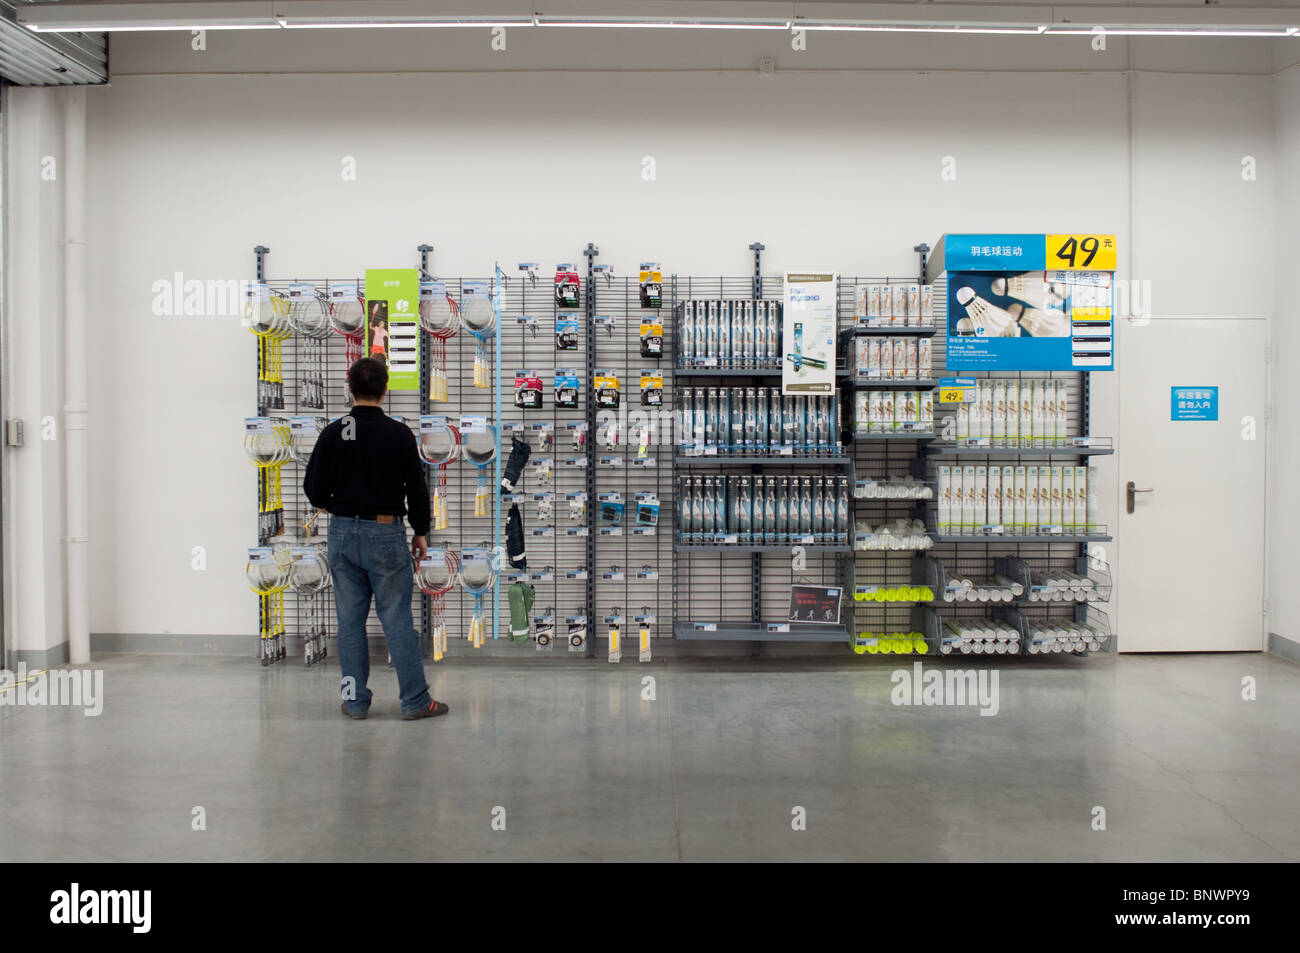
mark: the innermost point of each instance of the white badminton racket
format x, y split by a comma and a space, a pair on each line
439, 446
440, 318
477, 577
480, 449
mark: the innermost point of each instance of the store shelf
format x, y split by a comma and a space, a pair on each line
1036, 538
726, 372
885, 331
918, 383
899, 435
760, 632
950, 451
686, 372
723, 548
842, 460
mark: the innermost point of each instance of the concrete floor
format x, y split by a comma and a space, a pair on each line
710, 770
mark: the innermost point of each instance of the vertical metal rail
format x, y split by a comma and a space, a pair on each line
591, 251
260, 252
498, 291
674, 436
756, 558
426, 406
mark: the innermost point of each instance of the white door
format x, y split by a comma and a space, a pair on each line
1192, 550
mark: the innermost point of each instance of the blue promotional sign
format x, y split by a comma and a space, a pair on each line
1194, 403
994, 252
1021, 302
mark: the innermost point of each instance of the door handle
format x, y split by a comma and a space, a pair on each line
1131, 490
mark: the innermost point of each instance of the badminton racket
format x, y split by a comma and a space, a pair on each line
347, 315
477, 577
267, 447
309, 576
480, 449
302, 441
440, 317
439, 445
269, 579
478, 316
309, 318
436, 575
268, 317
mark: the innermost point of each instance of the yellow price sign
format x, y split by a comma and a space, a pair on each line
952, 395
1081, 252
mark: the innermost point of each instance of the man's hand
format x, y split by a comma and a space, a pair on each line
419, 548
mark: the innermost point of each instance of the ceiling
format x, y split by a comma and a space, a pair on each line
49, 59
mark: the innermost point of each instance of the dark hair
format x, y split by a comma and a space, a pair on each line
368, 378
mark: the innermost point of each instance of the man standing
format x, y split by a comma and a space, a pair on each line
363, 468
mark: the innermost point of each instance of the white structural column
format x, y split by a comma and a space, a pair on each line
75, 410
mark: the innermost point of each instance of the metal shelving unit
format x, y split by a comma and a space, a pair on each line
710, 600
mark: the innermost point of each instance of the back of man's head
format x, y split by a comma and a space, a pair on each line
368, 379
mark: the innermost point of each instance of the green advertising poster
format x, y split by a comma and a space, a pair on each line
393, 324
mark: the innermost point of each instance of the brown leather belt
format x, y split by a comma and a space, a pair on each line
383, 518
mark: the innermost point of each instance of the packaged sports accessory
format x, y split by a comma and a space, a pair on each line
520, 451
652, 339
567, 284
521, 604
566, 333
607, 388
651, 280
567, 388
436, 576
516, 551
528, 390
652, 389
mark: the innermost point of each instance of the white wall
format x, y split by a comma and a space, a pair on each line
838, 169
34, 374
1284, 596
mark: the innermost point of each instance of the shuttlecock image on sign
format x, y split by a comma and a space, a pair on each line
987, 320
1032, 288
1040, 323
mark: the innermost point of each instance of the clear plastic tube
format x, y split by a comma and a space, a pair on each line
736, 418
724, 334
805, 507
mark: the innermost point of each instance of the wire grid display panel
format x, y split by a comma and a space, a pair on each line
315, 374
631, 560
554, 544
894, 458
719, 587
460, 480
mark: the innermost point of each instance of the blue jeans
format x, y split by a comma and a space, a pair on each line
368, 558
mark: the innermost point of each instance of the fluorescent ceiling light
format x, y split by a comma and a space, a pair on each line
401, 24
1165, 31
923, 28
662, 24
93, 27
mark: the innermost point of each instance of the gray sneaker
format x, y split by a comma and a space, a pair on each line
343, 707
435, 709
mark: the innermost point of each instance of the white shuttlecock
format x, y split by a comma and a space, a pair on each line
988, 320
